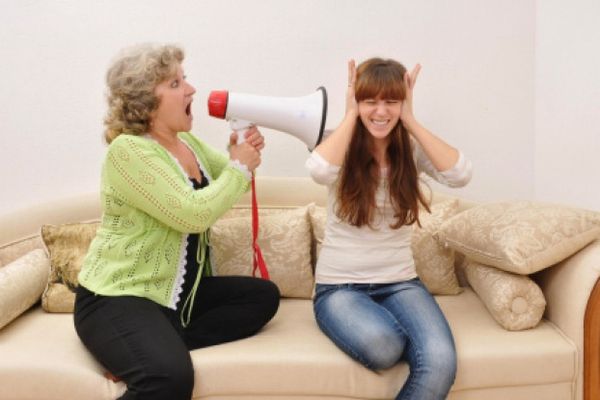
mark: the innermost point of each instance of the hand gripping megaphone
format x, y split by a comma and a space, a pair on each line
302, 117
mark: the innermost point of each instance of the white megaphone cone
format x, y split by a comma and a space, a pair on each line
302, 117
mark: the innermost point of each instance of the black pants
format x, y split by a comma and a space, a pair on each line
145, 345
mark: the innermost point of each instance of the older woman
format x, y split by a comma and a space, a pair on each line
147, 295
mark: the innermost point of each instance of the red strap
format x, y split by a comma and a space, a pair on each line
259, 261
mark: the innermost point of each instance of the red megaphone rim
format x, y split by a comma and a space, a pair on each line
217, 103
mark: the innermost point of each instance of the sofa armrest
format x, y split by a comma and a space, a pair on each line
573, 305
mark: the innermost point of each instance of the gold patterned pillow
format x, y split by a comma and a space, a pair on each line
22, 281
318, 220
66, 245
244, 211
521, 237
284, 239
515, 301
433, 261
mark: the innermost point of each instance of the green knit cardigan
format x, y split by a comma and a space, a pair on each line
149, 208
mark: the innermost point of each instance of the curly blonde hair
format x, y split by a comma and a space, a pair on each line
131, 81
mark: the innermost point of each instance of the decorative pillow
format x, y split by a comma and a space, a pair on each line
9, 252
318, 220
284, 239
521, 237
67, 245
434, 262
245, 211
21, 284
515, 301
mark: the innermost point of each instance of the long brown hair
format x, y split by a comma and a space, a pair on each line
360, 172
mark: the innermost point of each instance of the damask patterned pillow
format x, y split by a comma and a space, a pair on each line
245, 211
284, 239
433, 261
521, 237
318, 220
66, 245
515, 301
21, 283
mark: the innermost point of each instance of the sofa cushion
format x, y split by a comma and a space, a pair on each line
21, 284
318, 220
290, 356
433, 261
43, 358
522, 236
515, 301
284, 238
67, 246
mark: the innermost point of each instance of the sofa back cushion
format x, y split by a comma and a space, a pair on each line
284, 237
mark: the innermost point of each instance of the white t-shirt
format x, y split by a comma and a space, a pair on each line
377, 254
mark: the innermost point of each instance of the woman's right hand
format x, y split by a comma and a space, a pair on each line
244, 152
351, 104
333, 148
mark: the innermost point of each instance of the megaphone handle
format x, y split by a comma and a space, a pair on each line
240, 126
258, 260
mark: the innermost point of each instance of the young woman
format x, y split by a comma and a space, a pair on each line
147, 295
369, 300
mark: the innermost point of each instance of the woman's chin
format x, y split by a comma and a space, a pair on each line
380, 134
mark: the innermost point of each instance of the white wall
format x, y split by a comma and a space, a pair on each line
567, 117
477, 87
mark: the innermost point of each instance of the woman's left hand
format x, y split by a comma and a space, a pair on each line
255, 138
406, 114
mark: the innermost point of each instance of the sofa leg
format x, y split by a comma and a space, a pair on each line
591, 346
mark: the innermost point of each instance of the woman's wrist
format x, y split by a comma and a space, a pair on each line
412, 126
241, 167
351, 115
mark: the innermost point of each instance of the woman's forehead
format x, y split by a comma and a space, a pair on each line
390, 92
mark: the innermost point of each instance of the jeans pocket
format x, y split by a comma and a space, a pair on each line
321, 289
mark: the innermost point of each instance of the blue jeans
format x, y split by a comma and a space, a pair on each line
380, 324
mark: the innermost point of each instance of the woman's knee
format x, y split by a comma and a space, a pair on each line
360, 327
164, 380
383, 353
438, 366
270, 298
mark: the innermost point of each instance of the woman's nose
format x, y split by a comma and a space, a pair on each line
380, 108
191, 90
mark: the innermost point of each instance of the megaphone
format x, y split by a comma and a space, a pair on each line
302, 117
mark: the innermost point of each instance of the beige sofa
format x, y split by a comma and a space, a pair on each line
42, 358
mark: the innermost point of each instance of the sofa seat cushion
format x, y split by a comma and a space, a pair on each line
42, 357
491, 356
